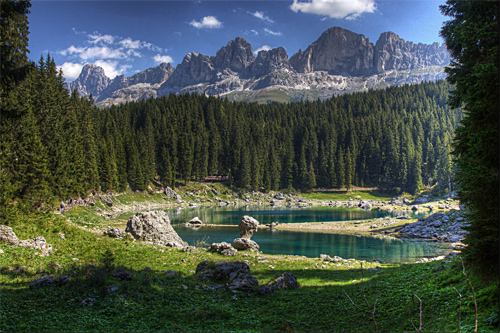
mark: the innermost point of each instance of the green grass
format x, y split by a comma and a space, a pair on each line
346, 195
154, 302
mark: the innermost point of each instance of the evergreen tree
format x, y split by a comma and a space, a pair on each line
473, 40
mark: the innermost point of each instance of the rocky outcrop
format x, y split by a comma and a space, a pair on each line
43, 282
171, 194
269, 61
38, 243
92, 80
195, 68
440, 226
8, 236
248, 226
337, 51
122, 275
223, 248
245, 244
114, 232
237, 56
236, 274
154, 226
393, 52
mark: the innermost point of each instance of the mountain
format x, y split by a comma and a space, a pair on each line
339, 61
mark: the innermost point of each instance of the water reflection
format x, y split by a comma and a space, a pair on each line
268, 214
304, 243
312, 244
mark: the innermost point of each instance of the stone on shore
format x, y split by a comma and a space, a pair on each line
248, 226
245, 244
223, 248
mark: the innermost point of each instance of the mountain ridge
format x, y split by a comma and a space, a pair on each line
339, 61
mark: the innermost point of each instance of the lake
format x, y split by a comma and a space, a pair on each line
307, 244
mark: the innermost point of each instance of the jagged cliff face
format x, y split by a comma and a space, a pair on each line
337, 51
92, 80
340, 61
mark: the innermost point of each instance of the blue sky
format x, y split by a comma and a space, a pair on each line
125, 37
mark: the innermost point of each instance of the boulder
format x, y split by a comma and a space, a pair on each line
223, 248
171, 194
285, 281
248, 226
43, 282
114, 232
245, 244
237, 273
62, 280
153, 226
7, 235
107, 200
122, 275
37, 243
196, 221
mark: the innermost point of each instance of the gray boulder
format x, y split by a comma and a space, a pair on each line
7, 235
237, 273
122, 275
114, 232
62, 280
285, 281
37, 243
171, 194
43, 282
223, 248
245, 244
248, 226
153, 226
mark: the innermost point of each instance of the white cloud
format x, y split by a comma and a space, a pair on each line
111, 68
98, 38
71, 70
339, 9
260, 15
262, 48
128, 43
274, 33
160, 59
209, 22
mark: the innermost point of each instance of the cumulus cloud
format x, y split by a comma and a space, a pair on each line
97, 38
163, 58
338, 9
274, 33
111, 68
71, 70
210, 22
262, 48
260, 15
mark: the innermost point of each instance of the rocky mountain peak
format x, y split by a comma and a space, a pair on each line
92, 80
269, 61
236, 56
337, 51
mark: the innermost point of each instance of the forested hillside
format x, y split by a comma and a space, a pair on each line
61, 146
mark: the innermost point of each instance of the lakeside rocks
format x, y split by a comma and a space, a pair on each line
245, 244
155, 227
248, 226
440, 226
236, 273
223, 248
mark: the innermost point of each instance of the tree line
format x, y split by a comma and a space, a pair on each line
57, 145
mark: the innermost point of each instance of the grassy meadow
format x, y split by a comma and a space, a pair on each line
155, 302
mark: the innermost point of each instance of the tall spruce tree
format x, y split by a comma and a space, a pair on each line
472, 37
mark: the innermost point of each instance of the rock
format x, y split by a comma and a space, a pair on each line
37, 243
169, 273
171, 194
62, 280
154, 226
223, 248
420, 200
92, 80
265, 290
279, 196
237, 273
215, 192
244, 281
285, 281
107, 200
89, 301
75, 259
248, 226
112, 289
195, 221
7, 235
1, 251
114, 232
122, 275
245, 244
43, 282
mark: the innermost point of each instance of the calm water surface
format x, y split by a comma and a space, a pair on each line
303, 243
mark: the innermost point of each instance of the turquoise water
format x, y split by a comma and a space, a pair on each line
304, 243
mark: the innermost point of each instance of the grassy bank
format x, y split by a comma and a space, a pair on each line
153, 301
